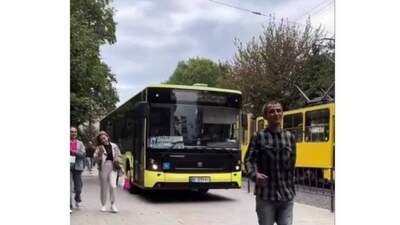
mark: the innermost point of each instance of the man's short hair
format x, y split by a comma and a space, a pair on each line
272, 102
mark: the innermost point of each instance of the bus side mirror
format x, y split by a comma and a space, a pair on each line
141, 109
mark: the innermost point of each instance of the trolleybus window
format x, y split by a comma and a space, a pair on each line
294, 123
160, 121
317, 125
194, 97
193, 126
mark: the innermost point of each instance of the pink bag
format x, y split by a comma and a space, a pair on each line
127, 184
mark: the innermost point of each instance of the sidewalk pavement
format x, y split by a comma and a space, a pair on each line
219, 207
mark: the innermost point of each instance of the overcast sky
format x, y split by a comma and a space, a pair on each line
153, 35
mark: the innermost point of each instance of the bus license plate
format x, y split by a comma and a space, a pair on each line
199, 179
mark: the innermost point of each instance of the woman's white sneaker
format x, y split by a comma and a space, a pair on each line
114, 208
103, 208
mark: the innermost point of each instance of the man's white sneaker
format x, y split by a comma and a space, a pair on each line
114, 208
103, 208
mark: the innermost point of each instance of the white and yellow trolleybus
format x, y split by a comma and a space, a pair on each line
179, 137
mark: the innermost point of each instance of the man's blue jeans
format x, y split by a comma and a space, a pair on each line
269, 212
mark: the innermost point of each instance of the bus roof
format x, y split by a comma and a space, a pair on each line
176, 86
194, 87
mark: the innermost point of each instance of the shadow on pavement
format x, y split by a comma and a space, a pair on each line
168, 196
164, 196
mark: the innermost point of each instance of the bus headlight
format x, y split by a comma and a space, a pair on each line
237, 167
153, 165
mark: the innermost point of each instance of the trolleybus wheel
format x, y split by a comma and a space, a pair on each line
135, 190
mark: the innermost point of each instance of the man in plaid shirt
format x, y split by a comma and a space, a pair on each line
271, 163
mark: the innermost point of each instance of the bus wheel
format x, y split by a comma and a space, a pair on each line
135, 190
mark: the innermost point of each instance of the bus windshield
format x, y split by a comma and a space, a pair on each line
193, 126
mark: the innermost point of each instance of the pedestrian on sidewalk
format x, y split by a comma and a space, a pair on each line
271, 164
77, 161
108, 157
89, 156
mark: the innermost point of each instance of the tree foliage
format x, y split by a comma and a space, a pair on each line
196, 70
267, 68
319, 71
92, 90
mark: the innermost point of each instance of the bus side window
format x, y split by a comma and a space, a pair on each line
294, 123
317, 125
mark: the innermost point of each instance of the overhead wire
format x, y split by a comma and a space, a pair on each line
321, 4
322, 9
238, 8
262, 14
251, 11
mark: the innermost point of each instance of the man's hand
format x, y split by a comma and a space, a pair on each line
261, 179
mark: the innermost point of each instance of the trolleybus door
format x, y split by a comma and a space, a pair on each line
138, 152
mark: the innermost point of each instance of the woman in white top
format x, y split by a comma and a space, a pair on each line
107, 156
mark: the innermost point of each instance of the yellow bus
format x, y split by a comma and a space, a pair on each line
179, 137
250, 125
248, 129
314, 128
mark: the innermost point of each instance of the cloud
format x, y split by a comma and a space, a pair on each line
153, 36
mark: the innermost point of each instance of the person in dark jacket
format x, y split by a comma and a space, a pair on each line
89, 155
271, 164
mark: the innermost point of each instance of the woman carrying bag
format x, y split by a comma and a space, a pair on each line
107, 156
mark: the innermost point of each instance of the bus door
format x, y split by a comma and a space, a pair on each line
138, 152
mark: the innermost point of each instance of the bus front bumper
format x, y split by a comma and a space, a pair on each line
162, 180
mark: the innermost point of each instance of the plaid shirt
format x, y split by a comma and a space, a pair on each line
273, 154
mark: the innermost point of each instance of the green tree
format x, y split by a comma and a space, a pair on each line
92, 90
268, 67
196, 70
319, 70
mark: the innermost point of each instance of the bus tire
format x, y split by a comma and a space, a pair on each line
135, 190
